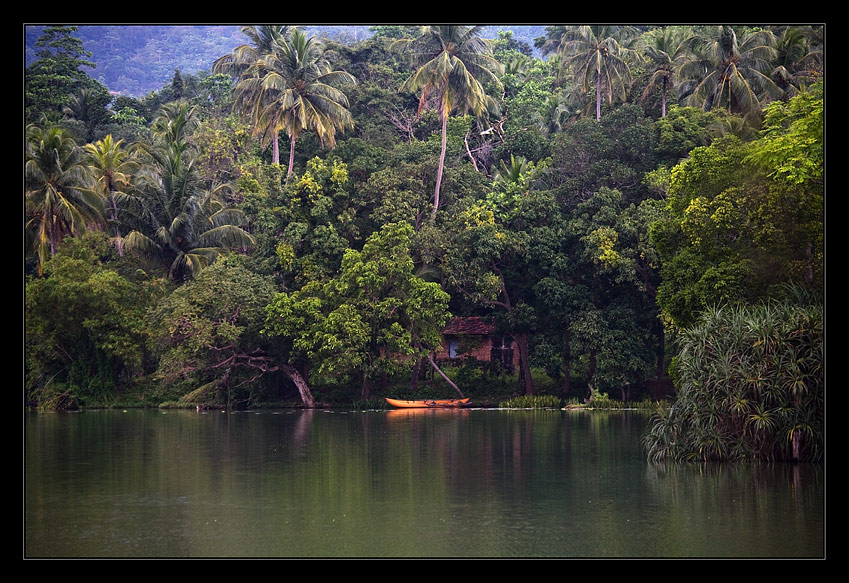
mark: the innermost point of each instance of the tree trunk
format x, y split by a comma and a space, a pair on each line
444, 376
365, 391
414, 379
598, 96
591, 366
301, 384
526, 380
567, 362
275, 149
291, 157
441, 166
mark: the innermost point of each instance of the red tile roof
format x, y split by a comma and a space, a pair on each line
471, 325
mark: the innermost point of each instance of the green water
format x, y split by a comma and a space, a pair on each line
468, 483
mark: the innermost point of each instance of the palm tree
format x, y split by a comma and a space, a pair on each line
263, 38
730, 71
597, 56
238, 64
662, 48
554, 112
182, 219
57, 195
449, 62
294, 88
799, 58
88, 106
111, 167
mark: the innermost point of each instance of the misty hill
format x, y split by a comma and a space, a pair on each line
137, 59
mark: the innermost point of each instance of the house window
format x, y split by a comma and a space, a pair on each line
502, 351
453, 347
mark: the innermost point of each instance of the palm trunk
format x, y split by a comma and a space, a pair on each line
291, 157
598, 96
275, 150
441, 166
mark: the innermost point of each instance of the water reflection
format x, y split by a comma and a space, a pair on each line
407, 483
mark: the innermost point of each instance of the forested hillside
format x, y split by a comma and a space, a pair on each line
635, 213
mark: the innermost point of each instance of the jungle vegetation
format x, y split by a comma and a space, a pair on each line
641, 209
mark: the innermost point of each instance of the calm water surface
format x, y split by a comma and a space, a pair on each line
467, 483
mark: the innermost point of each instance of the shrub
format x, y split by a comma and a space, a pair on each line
751, 387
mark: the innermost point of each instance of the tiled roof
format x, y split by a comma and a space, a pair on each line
470, 325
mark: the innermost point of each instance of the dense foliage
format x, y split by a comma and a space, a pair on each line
298, 220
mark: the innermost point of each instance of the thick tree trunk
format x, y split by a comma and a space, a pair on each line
526, 380
301, 384
414, 379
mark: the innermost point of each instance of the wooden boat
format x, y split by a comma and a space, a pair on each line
427, 403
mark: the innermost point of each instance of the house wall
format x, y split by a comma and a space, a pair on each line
478, 347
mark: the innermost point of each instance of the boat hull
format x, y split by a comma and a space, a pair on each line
427, 403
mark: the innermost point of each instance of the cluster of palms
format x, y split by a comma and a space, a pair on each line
725, 67
286, 84
148, 197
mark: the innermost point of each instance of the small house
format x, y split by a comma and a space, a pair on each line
476, 337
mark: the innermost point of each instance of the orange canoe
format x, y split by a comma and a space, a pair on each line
427, 403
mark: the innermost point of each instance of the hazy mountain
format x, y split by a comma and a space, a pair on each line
137, 59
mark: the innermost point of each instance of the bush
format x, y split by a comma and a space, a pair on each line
751, 387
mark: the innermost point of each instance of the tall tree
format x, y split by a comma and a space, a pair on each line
238, 64
744, 218
56, 75
799, 58
597, 56
730, 70
262, 40
57, 195
451, 63
111, 167
662, 47
294, 88
184, 220
374, 317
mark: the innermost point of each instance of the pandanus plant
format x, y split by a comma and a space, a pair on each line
751, 387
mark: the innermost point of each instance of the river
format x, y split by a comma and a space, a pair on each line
471, 483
